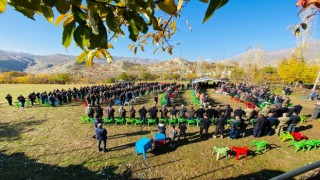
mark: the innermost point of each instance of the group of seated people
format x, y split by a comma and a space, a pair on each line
267, 121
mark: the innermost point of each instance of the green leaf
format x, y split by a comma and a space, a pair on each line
27, 12
48, 13
155, 24
28, 4
78, 15
62, 6
75, 2
67, 34
81, 35
213, 6
3, 4
133, 30
111, 21
49, 3
82, 57
100, 40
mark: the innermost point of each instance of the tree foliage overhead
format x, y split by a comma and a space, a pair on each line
92, 24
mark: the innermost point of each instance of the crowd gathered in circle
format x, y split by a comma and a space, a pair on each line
268, 113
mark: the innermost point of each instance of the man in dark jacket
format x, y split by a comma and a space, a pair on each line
239, 112
298, 108
9, 99
228, 112
259, 125
153, 112
101, 137
221, 121
143, 114
271, 121
99, 111
173, 112
294, 120
22, 100
200, 112
210, 112
204, 125
32, 98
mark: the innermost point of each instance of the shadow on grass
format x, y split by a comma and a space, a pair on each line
18, 166
12, 131
260, 175
210, 172
303, 128
129, 134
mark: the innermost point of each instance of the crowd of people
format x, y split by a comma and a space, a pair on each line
93, 95
271, 119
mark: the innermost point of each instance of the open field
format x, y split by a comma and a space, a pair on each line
52, 143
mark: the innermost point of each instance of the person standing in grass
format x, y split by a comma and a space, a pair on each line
172, 136
182, 130
22, 100
101, 134
221, 121
132, 113
156, 99
190, 113
143, 114
9, 99
204, 125
173, 112
235, 128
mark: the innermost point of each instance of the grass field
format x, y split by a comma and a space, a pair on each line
52, 143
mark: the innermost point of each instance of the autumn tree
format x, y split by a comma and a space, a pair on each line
92, 24
266, 75
295, 70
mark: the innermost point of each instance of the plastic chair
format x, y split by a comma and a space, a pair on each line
259, 145
172, 121
219, 151
298, 136
129, 120
190, 122
213, 121
312, 144
151, 121
119, 121
240, 151
163, 120
138, 121
181, 120
284, 135
197, 122
251, 122
91, 120
303, 119
84, 119
298, 145
107, 121
17, 104
47, 104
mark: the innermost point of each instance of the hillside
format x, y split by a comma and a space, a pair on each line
58, 63
271, 58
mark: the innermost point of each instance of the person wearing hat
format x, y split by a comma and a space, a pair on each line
101, 134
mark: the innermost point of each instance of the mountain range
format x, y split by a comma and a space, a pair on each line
59, 63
